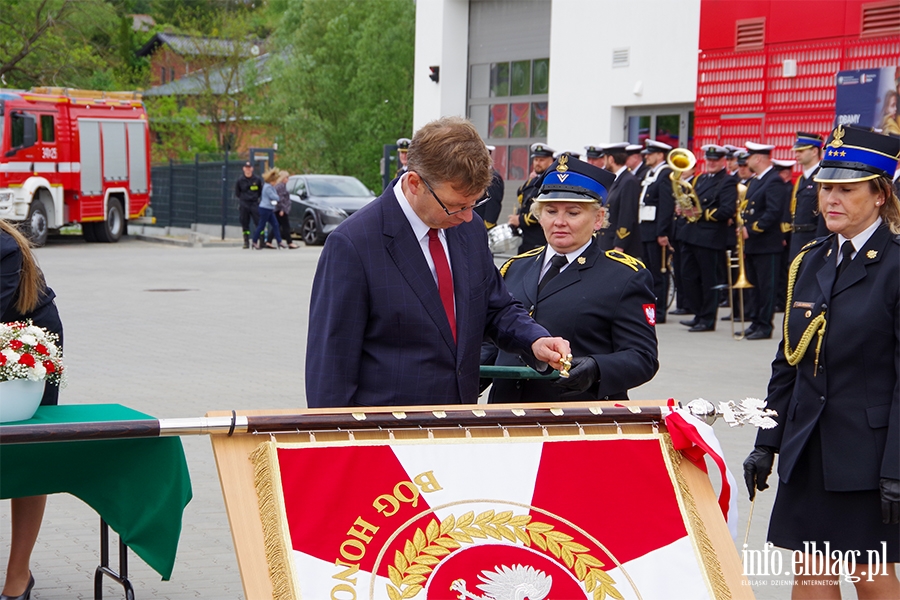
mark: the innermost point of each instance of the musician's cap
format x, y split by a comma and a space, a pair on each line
490, 148
714, 152
783, 164
808, 140
741, 155
633, 148
540, 149
654, 146
614, 146
730, 150
593, 151
755, 148
856, 154
573, 180
403, 145
571, 153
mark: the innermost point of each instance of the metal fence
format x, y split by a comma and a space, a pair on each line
197, 192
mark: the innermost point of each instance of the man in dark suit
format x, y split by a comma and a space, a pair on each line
703, 240
406, 288
621, 235
804, 206
763, 239
657, 209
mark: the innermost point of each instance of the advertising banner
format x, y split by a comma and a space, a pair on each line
868, 98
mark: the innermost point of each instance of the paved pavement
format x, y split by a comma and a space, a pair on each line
176, 332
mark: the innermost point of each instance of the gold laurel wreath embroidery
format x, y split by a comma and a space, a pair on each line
423, 551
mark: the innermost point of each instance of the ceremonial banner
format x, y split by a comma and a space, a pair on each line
581, 516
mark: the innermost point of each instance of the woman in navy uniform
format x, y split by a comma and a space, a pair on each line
836, 379
601, 301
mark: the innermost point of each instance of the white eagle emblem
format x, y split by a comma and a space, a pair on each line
508, 583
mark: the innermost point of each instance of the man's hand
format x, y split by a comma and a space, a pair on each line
890, 501
513, 220
757, 469
550, 350
663, 240
743, 233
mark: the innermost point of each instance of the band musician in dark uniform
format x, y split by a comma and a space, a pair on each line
657, 226
601, 301
836, 379
522, 220
767, 195
806, 224
490, 210
622, 205
703, 240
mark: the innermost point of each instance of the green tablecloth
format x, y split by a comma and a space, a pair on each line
139, 487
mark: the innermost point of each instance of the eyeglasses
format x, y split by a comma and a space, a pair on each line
444, 206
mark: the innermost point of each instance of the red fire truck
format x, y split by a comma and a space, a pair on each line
74, 156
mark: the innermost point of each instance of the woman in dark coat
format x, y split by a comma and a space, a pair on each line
836, 380
602, 302
25, 295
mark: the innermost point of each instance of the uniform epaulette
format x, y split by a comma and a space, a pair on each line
528, 254
816, 242
625, 259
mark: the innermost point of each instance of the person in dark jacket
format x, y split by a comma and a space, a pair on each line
24, 295
601, 301
836, 379
490, 211
703, 240
804, 206
763, 238
283, 209
248, 190
657, 225
522, 220
622, 206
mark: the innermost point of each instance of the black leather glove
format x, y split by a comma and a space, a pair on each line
890, 501
757, 469
583, 374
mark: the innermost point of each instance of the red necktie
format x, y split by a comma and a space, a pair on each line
445, 279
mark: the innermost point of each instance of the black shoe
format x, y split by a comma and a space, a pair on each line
688, 322
750, 330
758, 335
25, 595
680, 311
701, 327
726, 318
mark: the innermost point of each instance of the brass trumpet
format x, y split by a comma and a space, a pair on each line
681, 160
742, 282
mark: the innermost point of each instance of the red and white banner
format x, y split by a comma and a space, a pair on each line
586, 517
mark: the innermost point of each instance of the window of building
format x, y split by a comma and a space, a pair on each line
162, 75
672, 124
48, 130
508, 101
172, 74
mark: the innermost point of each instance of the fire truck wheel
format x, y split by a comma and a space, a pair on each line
111, 229
37, 225
89, 232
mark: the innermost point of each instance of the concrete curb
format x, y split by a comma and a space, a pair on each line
189, 242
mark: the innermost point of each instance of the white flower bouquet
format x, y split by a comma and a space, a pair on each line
30, 352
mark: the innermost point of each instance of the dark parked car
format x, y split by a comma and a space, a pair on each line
322, 202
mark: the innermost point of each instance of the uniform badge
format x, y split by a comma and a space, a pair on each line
582, 260
827, 254
563, 163
871, 254
650, 314
838, 140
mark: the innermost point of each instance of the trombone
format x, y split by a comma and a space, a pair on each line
742, 282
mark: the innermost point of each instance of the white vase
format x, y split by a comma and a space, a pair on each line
19, 399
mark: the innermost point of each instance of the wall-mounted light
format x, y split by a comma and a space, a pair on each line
435, 74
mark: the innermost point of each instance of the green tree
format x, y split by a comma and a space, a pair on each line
344, 85
56, 42
179, 133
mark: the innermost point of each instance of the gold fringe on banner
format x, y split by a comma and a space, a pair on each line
712, 566
265, 472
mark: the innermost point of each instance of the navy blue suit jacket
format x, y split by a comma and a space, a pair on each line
378, 333
766, 198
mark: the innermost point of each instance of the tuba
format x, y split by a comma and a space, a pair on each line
680, 160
